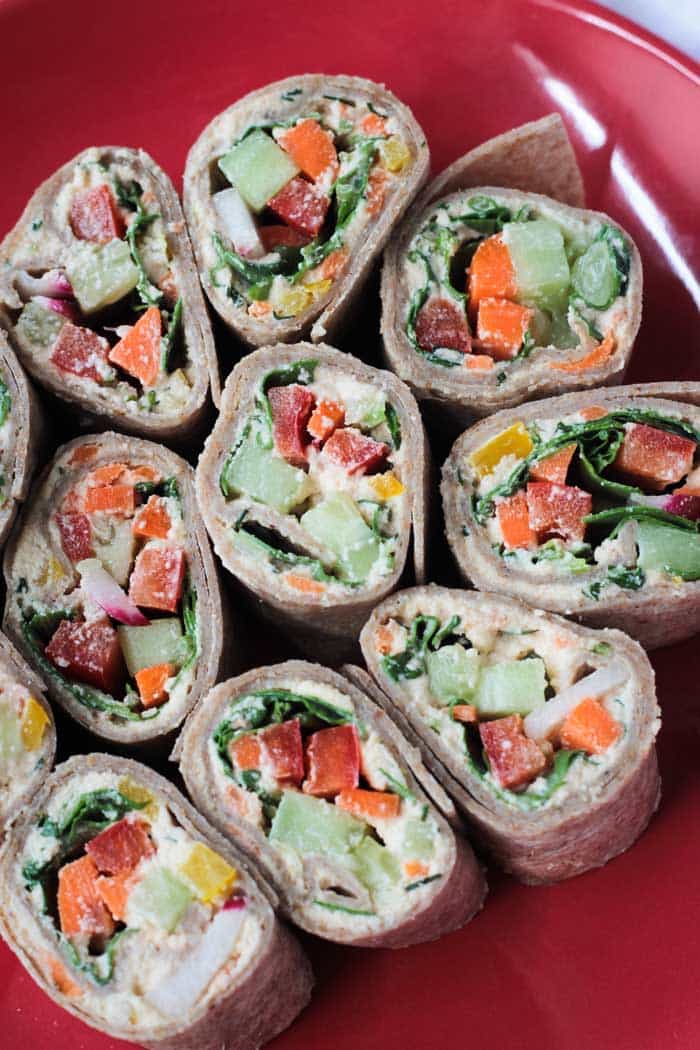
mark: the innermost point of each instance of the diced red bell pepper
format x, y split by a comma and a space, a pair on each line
281, 237
515, 760
81, 911
351, 449
94, 216
76, 536
120, 847
654, 458
441, 323
139, 352
555, 467
156, 582
81, 352
332, 761
283, 748
88, 652
301, 206
291, 407
558, 510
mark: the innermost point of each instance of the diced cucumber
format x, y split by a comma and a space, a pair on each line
160, 898
160, 643
258, 168
595, 276
37, 326
114, 544
101, 274
367, 411
418, 840
664, 547
257, 473
312, 825
376, 866
249, 544
337, 523
452, 672
539, 259
509, 688
10, 738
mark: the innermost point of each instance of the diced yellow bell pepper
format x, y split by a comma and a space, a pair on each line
318, 288
386, 486
395, 154
34, 723
52, 572
135, 793
293, 301
209, 874
515, 441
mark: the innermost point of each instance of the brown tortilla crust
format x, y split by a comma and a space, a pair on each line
27, 435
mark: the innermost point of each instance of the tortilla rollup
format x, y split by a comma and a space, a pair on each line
290, 195
333, 804
494, 296
310, 485
20, 435
134, 915
27, 734
112, 589
100, 297
541, 730
588, 505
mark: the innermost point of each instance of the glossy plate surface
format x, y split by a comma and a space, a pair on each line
610, 959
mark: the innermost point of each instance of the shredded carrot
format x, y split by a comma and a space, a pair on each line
260, 308
84, 453
589, 727
139, 353
595, 357
310, 147
245, 751
333, 264
62, 979
142, 473
80, 907
479, 362
376, 190
514, 520
385, 639
377, 805
304, 584
151, 683
415, 869
593, 412
464, 713
373, 124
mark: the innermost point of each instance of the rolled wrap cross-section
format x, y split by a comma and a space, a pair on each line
542, 731
296, 763
27, 734
311, 485
136, 916
20, 435
588, 505
112, 589
493, 296
100, 297
290, 195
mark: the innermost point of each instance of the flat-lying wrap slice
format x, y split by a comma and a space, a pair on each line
290, 195
297, 764
493, 296
542, 731
311, 485
112, 589
100, 297
20, 435
133, 914
27, 734
588, 505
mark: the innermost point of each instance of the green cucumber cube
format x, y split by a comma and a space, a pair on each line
160, 898
101, 274
337, 523
668, 549
37, 326
367, 411
312, 825
539, 259
258, 168
595, 276
159, 643
453, 672
418, 840
257, 473
115, 545
10, 738
510, 688
249, 545
376, 866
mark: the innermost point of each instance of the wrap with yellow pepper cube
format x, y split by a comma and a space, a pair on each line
312, 484
136, 916
290, 195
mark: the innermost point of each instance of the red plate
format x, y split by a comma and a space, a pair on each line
610, 959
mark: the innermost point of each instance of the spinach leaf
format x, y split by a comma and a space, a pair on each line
130, 196
5, 402
485, 214
167, 487
422, 882
529, 800
341, 907
92, 813
169, 339
411, 662
629, 579
281, 560
618, 515
101, 970
351, 186
596, 483
394, 425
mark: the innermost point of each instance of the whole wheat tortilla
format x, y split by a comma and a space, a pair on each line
20, 453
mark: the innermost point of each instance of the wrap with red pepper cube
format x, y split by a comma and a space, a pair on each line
588, 505
299, 765
21, 431
312, 484
290, 196
100, 297
136, 916
540, 730
112, 589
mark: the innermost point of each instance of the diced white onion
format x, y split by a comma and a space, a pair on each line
237, 223
543, 721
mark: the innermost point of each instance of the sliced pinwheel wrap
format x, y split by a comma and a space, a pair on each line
542, 731
100, 298
312, 485
291, 194
21, 432
297, 763
500, 287
112, 589
588, 505
136, 916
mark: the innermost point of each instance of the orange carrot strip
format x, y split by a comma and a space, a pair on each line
106, 475
62, 979
595, 357
373, 124
593, 412
514, 520
114, 891
415, 869
479, 362
151, 683
376, 190
589, 727
377, 805
304, 584
260, 308
333, 264
464, 713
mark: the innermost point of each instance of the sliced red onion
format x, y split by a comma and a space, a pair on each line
105, 590
684, 504
65, 307
53, 283
234, 904
542, 722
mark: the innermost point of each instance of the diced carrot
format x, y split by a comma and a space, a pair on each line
491, 273
501, 327
415, 869
589, 727
152, 520
62, 979
595, 357
593, 412
114, 891
385, 639
151, 683
259, 308
479, 362
84, 453
142, 473
80, 906
245, 752
304, 584
112, 499
376, 190
325, 418
514, 520
310, 147
106, 475
464, 713
555, 467
369, 805
373, 124
333, 264
139, 352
